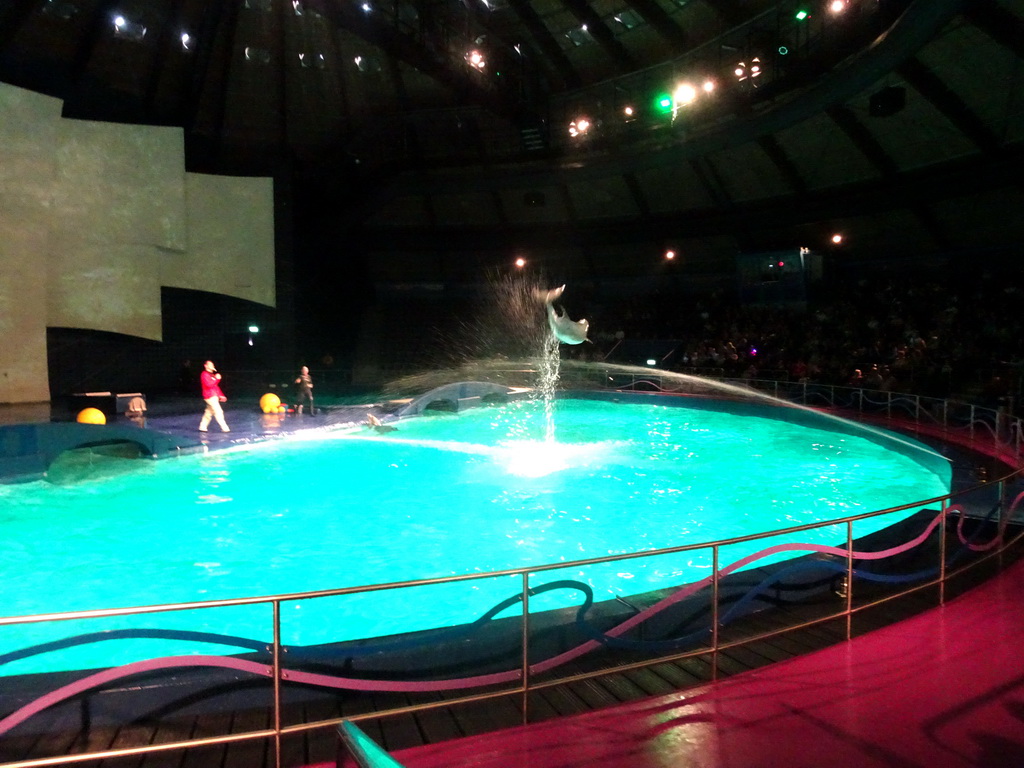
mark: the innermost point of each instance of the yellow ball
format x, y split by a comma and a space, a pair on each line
91, 416
281, 409
270, 402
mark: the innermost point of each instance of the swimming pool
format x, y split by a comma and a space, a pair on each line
476, 491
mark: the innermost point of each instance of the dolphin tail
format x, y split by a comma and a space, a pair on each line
548, 296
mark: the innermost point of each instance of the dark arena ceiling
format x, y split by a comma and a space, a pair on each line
896, 122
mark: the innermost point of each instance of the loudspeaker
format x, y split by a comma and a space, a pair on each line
887, 101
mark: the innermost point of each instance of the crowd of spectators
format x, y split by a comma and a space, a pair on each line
959, 335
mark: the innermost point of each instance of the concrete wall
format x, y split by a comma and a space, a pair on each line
96, 217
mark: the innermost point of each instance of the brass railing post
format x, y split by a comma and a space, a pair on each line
714, 612
849, 579
277, 683
942, 551
526, 647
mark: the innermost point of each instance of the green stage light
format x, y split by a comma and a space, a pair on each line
801, 15
663, 103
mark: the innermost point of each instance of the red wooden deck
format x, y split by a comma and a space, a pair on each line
941, 690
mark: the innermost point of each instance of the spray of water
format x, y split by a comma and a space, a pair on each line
509, 342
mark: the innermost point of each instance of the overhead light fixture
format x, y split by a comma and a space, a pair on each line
579, 127
837, 6
476, 60
684, 95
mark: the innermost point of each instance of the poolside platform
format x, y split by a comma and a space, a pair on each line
943, 689
919, 684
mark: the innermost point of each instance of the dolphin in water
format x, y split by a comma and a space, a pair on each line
566, 331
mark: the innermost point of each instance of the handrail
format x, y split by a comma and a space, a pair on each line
519, 680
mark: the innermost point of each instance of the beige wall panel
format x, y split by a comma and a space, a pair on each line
466, 209
24, 231
605, 198
548, 206
121, 183
823, 154
111, 287
673, 188
28, 129
748, 173
231, 239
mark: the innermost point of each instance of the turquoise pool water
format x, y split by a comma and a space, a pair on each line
447, 494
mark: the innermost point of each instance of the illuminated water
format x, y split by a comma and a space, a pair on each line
446, 494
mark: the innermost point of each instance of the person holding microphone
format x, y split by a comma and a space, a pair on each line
209, 379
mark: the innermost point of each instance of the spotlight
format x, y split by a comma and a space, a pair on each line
837, 6
579, 127
684, 94
837, 238
476, 60
670, 255
801, 15
520, 262
709, 86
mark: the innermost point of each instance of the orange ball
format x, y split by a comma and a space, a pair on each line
91, 416
270, 402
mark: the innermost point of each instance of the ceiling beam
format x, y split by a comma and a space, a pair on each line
865, 143
546, 42
998, 23
597, 29
928, 84
637, 192
378, 30
663, 24
785, 165
863, 140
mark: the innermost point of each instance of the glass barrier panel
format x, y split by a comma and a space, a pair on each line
380, 650
599, 616
776, 583
895, 555
85, 685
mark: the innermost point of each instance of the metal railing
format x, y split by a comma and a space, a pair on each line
524, 673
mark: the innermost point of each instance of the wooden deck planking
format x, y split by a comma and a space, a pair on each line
399, 732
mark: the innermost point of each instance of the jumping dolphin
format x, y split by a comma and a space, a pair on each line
567, 331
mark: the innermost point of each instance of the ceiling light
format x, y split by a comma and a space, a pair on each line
685, 94
579, 127
837, 238
837, 6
